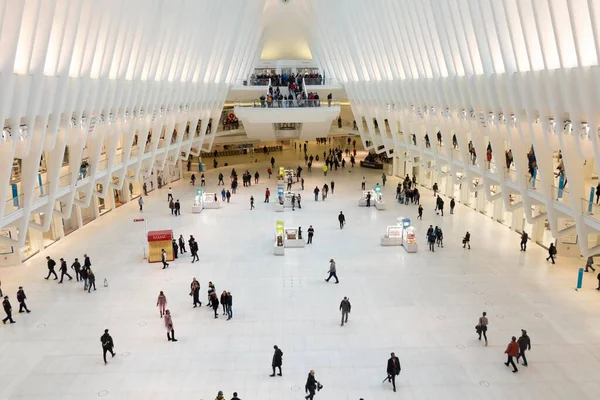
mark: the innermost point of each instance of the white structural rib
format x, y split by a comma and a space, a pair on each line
512, 73
95, 78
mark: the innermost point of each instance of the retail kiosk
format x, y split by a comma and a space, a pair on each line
287, 199
279, 204
211, 200
198, 201
157, 241
292, 238
278, 246
362, 202
379, 203
409, 239
393, 236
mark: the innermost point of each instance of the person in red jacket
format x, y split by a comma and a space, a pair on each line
512, 350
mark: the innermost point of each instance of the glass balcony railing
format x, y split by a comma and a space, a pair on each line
13, 205
64, 181
561, 195
40, 192
263, 103
322, 81
251, 82
590, 209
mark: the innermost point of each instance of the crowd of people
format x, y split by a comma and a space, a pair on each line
287, 79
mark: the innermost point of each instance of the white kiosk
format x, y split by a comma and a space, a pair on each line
198, 201
210, 200
292, 238
393, 236
379, 203
409, 239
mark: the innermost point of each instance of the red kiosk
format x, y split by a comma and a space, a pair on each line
158, 240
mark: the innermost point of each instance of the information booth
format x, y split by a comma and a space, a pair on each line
362, 202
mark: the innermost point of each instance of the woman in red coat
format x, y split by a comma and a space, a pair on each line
512, 350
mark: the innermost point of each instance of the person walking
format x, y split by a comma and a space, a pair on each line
64, 271
235, 396
524, 345
251, 203
107, 345
182, 244
332, 187
590, 264
277, 360
86, 261
161, 303
551, 253
194, 250
299, 200
311, 385
342, 220
420, 211
368, 199
512, 350
267, 195
311, 233
21, 297
383, 178
177, 208
91, 279
8, 310
439, 237
228, 196
363, 183
51, 264
169, 326
175, 247
467, 240
76, 266
332, 271
345, 307
393, 369
431, 240
170, 195
195, 292
452, 205
163, 258
316, 192
84, 277
482, 327
141, 203
524, 237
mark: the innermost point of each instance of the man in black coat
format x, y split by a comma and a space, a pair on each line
393, 369
8, 310
311, 233
342, 220
524, 345
77, 267
277, 360
21, 297
51, 264
107, 344
63, 270
311, 385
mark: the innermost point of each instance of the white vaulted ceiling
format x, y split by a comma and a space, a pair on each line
91, 74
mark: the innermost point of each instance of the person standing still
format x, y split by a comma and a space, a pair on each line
107, 345
141, 203
363, 184
393, 369
51, 264
170, 195
590, 264
229, 308
21, 297
512, 350
524, 345
182, 244
8, 310
195, 292
452, 204
91, 279
342, 220
63, 271
277, 360
345, 307
311, 232
161, 303
482, 326
332, 271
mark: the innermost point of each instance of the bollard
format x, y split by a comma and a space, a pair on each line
579, 279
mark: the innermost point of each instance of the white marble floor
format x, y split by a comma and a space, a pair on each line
423, 306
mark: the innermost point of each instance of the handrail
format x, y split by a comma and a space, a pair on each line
262, 103
251, 82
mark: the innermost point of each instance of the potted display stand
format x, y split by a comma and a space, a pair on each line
278, 246
393, 236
